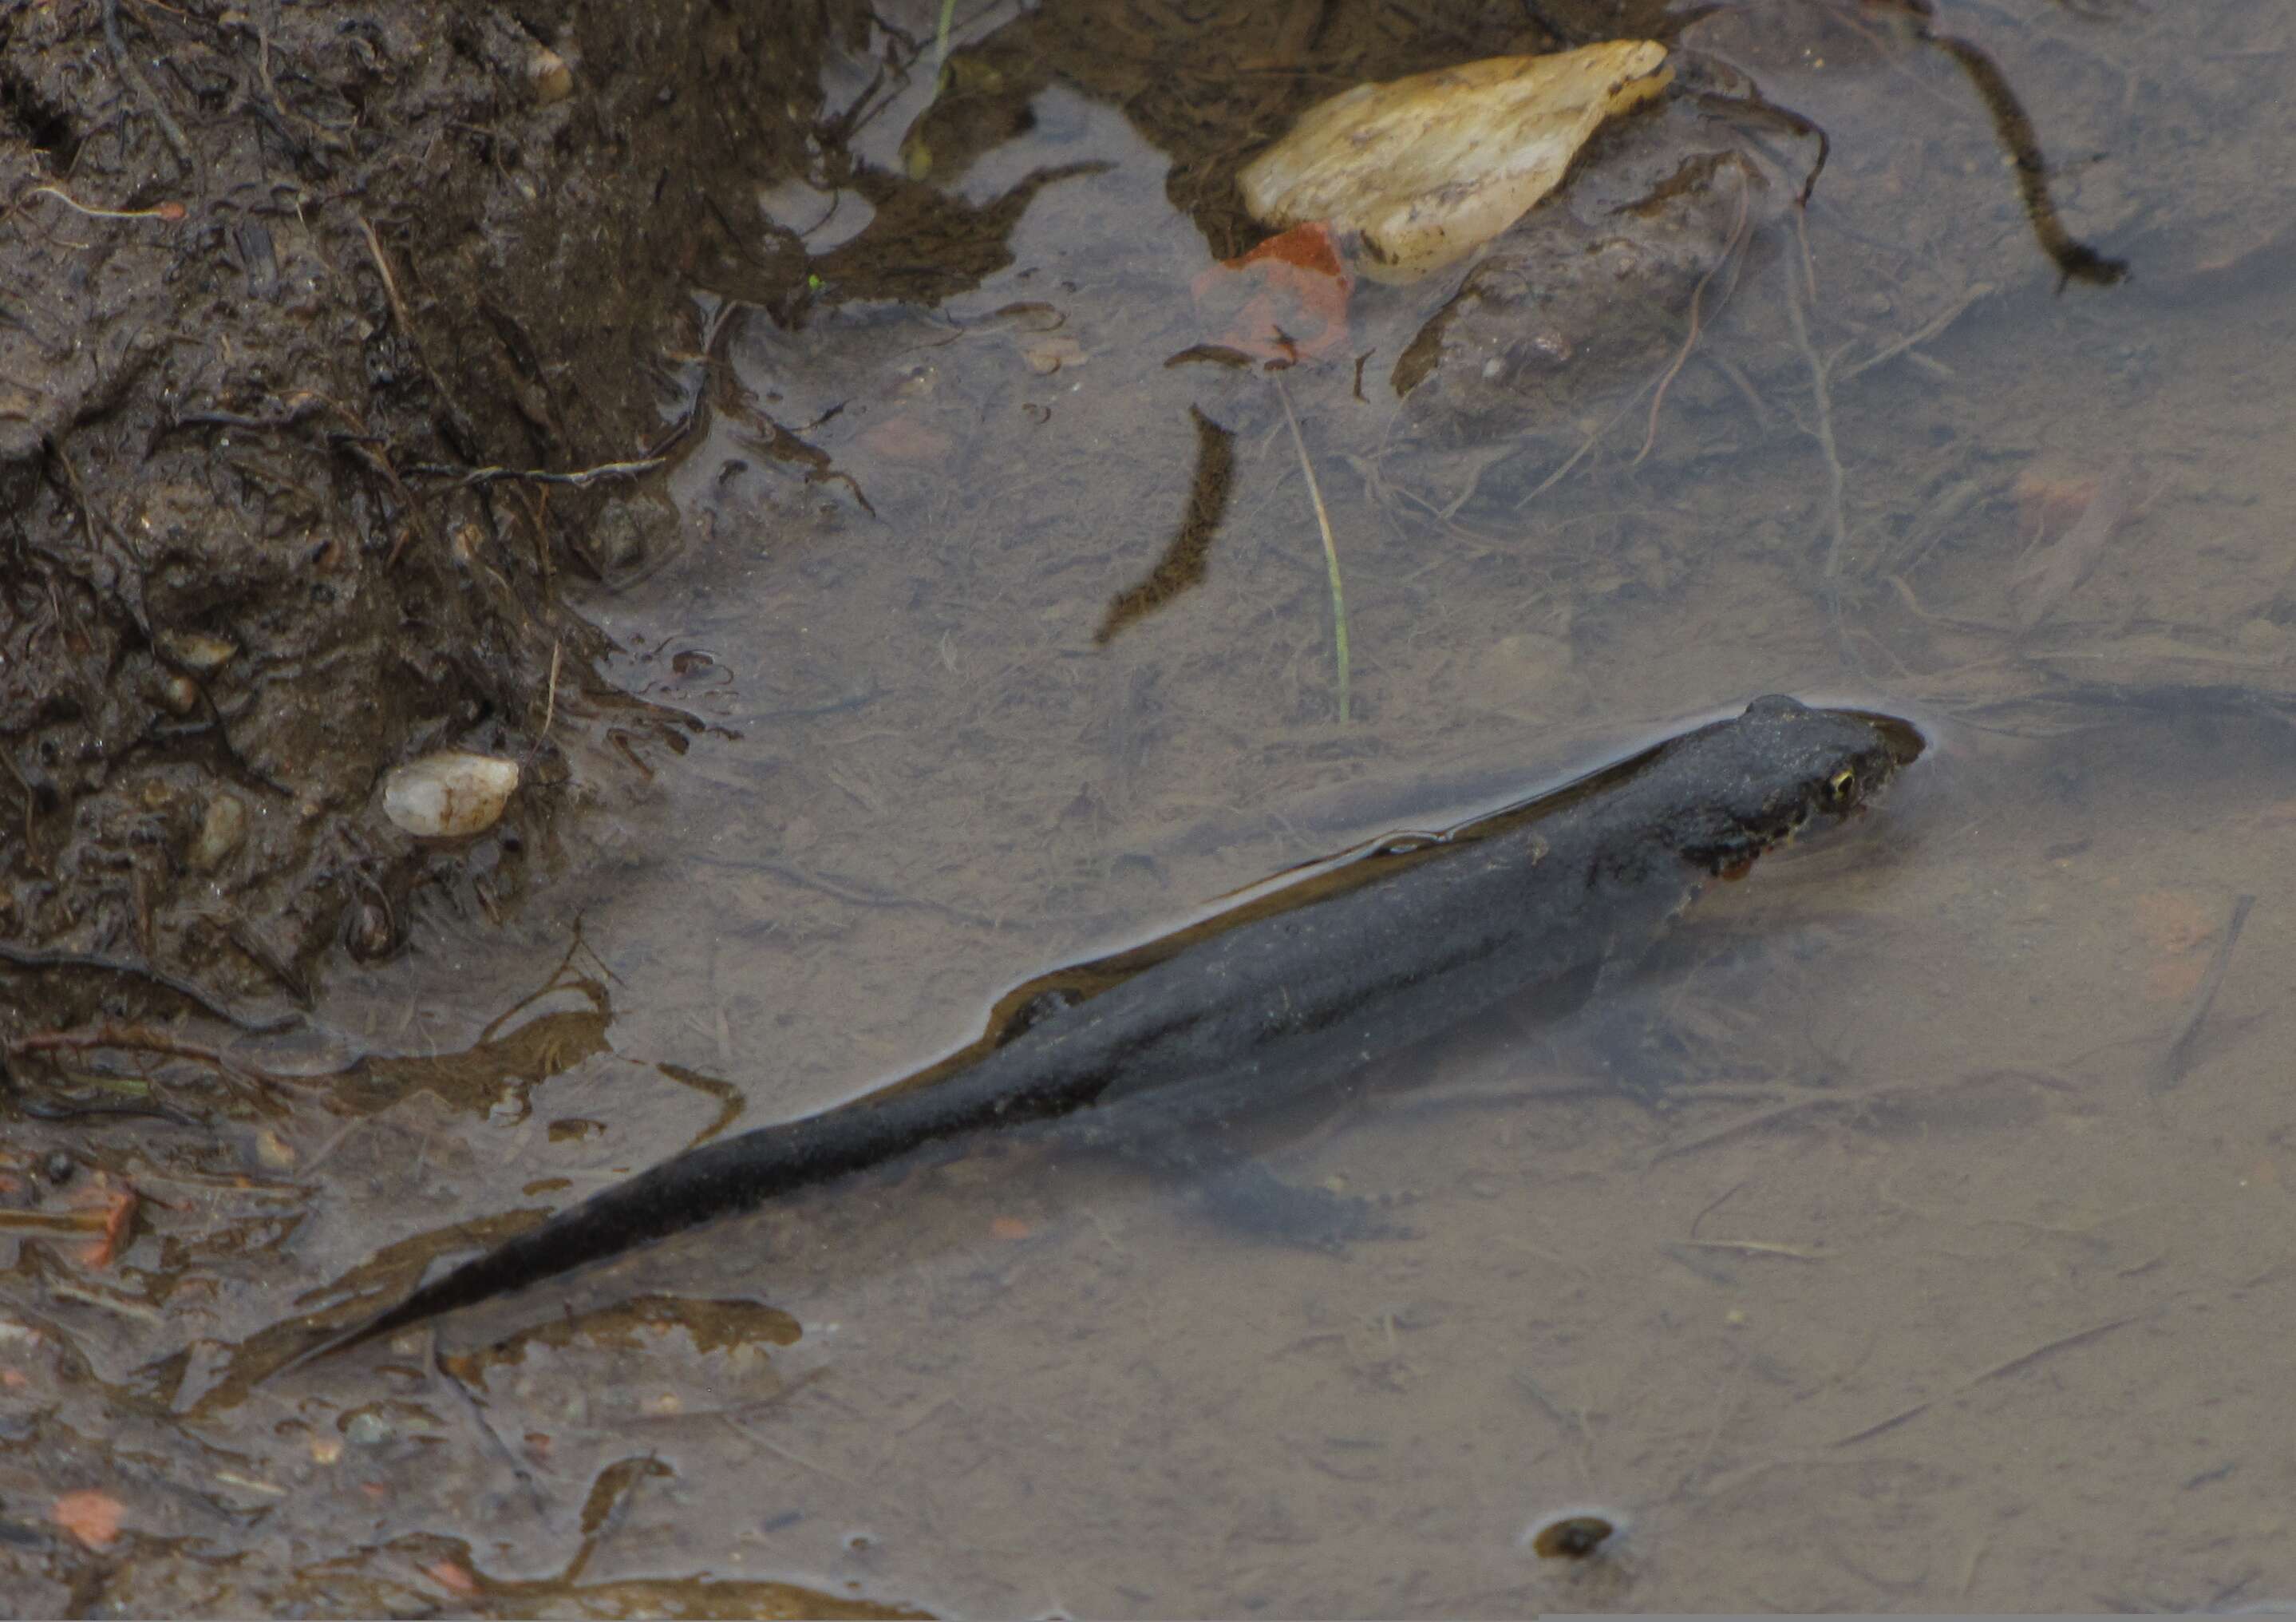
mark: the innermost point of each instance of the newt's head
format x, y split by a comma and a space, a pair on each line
1750, 785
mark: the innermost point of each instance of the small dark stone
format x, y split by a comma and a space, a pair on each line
370, 932
1572, 1537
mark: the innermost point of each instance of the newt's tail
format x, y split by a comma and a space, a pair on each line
716, 1180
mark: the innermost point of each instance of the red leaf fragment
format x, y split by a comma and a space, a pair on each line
89, 1516
1286, 300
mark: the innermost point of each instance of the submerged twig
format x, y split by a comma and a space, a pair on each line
1822, 397
1923, 333
389, 282
1697, 298
1330, 549
147, 1039
2054, 569
436, 1364
2062, 1343
206, 1002
2179, 1056
581, 480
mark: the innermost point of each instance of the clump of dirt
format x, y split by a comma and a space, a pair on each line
293, 300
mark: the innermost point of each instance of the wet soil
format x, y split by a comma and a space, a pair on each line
315, 322
1936, 1254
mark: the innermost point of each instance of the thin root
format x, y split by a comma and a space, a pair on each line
148, 1039
1689, 342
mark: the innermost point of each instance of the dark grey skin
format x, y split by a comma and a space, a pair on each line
1384, 952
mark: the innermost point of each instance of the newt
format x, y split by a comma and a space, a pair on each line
1357, 957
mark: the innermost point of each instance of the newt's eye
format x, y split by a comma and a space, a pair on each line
1842, 789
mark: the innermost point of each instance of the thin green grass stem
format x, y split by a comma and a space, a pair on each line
1331, 551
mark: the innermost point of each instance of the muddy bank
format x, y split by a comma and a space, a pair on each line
290, 299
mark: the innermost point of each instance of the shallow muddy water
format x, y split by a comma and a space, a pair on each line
1914, 1231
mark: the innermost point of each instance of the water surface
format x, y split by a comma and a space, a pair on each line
1921, 1265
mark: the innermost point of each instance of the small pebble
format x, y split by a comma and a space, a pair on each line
1576, 1535
222, 831
177, 693
369, 931
449, 795
197, 652
547, 72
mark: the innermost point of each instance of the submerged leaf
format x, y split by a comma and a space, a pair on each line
91, 1517
1427, 169
2051, 569
1286, 300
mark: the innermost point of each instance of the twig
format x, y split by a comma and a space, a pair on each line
761, 1440
1697, 298
301, 404
146, 1039
583, 479
2179, 1056
1747, 1123
1927, 330
1798, 1253
362, 444
110, 1303
390, 284
148, 1109
1330, 548
2022, 1360
654, 458
22, 957
1817, 1098
1837, 530
550, 703
436, 1365
142, 87
63, 1223
1594, 437
98, 529
2054, 571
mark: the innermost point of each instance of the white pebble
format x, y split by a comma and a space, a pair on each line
450, 794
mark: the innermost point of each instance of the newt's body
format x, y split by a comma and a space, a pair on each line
1363, 961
